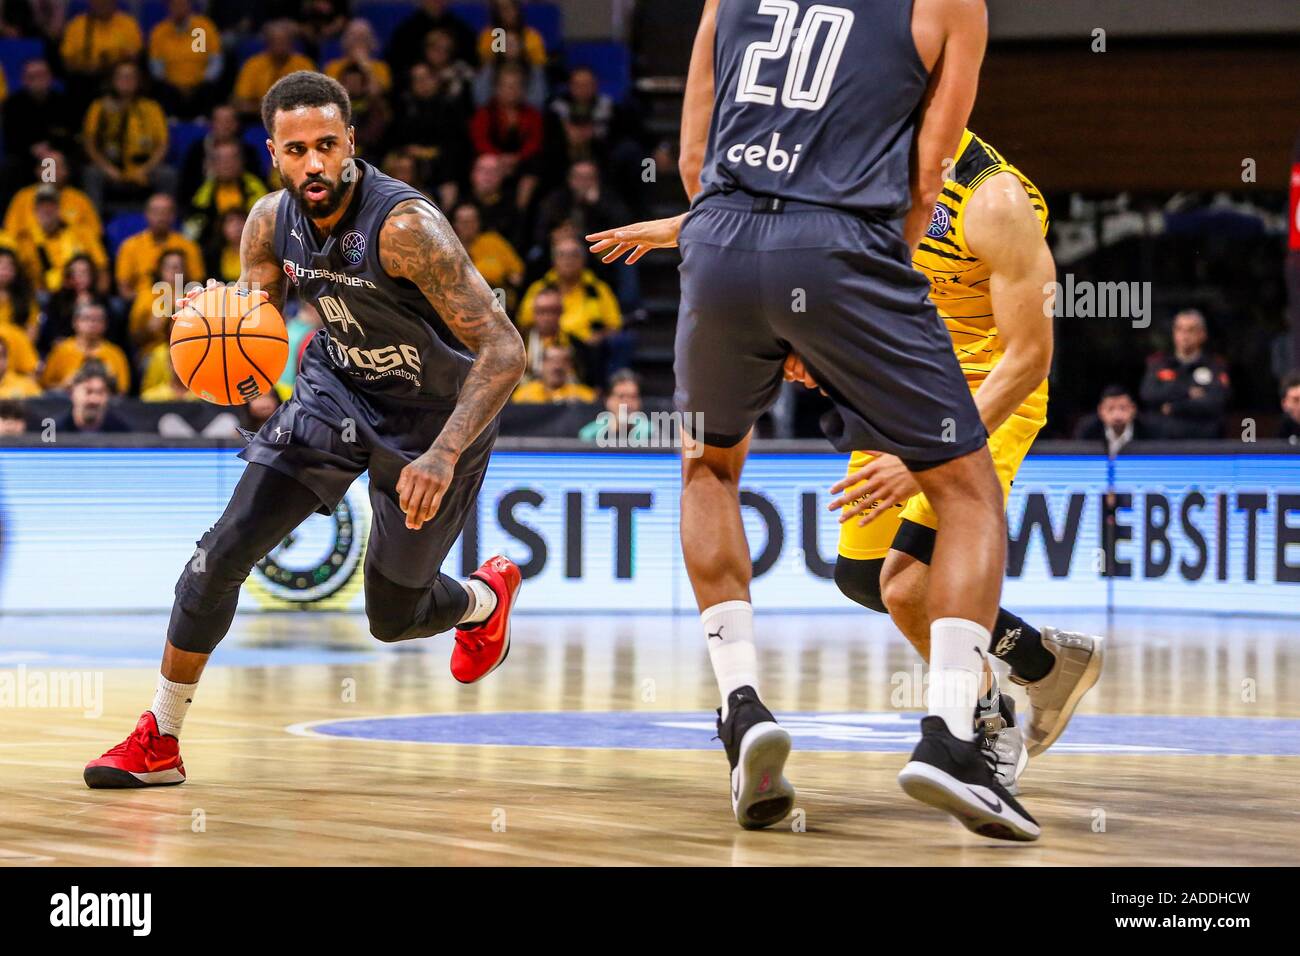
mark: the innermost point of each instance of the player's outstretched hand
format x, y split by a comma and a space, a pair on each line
422, 484
878, 485
640, 237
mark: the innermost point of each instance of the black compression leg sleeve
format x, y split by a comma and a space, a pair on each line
399, 613
860, 581
265, 507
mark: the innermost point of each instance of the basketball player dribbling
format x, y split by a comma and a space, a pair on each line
378, 390
814, 141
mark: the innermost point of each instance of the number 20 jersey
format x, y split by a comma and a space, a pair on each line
382, 336
815, 102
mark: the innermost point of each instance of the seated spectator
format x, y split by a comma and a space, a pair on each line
408, 43
14, 384
431, 122
171, 390
360, 48
18, 307
622, 401
545, 331
371, 114
125, 138
13, 421
1290, 430
556, 383
506, 21
221, 254
1185, 393
154, 304
1116, 422
93, 43
185, 70
510, 129
223, 127
87, 344
81, 283
401, 165
494, 257
137, 257
591, 314
90, 389
229, 187
75, 207
582, 102
322, 21
38, 120
50, 244
497, 211
260, 71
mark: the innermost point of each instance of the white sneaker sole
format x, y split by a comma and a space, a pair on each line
1091, 674
760, 794
943, 791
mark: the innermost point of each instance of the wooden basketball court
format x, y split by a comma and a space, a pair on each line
1187, 752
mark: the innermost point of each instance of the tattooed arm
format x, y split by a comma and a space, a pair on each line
259, 266
417, 243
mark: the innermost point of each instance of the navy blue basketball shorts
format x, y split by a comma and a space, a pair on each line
329, 432
841, 292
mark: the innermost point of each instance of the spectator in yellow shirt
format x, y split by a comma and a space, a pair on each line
96, 41
507, 18
125, 137
14, 384
185, 59
137, 257
494, 257
87, 343
75, 207
229, 187
50, 244
259, 72
556, 383
155, 302
360, 46
548, 306
590, 309
18, 307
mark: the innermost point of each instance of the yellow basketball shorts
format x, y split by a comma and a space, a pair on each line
1008, 445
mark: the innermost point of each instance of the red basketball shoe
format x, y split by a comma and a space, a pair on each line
481, 648
145, 759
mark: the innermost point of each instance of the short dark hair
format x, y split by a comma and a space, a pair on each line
304, 88
93, 368
1116, 391
624, 375
11, 409
1290, 380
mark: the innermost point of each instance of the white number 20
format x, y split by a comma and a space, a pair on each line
800, 91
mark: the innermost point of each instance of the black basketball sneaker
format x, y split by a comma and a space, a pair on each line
757, 748
956, 776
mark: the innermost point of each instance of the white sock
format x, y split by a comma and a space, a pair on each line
171, 701
729, 632
956, 669
482, 601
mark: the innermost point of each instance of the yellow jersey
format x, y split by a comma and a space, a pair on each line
959, 280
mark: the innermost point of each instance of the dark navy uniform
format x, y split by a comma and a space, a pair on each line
377, 382
795, 241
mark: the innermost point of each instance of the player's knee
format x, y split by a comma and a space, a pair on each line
898, 595
399, 613
219, 566
859, 581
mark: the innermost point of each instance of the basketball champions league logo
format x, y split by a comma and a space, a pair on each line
353, 246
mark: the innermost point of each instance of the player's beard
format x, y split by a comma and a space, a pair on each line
335, 193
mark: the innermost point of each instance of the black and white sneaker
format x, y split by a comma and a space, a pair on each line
955, 776
757, 748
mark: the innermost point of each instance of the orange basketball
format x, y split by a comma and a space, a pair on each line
229, 345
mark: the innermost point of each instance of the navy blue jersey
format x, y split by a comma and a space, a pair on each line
815, 102
384, 336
